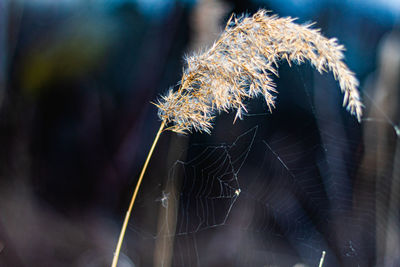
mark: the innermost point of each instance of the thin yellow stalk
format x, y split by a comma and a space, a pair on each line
321, 261
128, 213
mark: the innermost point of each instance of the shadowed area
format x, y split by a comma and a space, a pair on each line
77, 79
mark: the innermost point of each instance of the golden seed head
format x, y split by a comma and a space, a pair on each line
240, 66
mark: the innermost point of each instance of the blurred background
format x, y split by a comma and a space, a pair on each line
77, 78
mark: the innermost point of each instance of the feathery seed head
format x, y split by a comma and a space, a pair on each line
240, 66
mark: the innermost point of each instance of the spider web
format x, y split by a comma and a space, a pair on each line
284, 189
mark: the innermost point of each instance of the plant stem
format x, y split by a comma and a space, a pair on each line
128, 213
321, 261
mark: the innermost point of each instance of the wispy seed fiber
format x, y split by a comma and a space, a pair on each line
240, 65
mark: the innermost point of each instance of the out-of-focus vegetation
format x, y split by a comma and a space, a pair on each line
76, 122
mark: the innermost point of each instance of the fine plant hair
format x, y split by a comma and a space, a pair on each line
239, 66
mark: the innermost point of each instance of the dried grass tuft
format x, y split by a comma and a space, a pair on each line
240, 65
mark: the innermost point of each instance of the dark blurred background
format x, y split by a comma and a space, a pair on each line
77, 78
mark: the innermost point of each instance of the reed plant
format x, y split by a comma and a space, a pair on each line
239, 66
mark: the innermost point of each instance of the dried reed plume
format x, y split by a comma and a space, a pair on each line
239, 66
